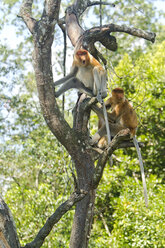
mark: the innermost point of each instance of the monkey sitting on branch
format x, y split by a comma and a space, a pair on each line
87, 75
121, 117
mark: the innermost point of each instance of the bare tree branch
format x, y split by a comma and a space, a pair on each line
26, 14
98, 3
95, 33
117, 142
80, 38
50, 9
43, 38
8, 233
54, 218
96, 152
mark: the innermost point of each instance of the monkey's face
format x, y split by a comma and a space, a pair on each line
118, 97
83, 60
83, 57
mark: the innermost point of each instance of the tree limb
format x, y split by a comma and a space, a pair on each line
117, 142
26, 14
54, 218
50, 9
43, 38
94, 34
86, 39
8, 233
98, 3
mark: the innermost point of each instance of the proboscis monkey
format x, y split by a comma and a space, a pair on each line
122, 116
87, 75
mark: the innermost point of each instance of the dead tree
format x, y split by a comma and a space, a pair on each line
73, 139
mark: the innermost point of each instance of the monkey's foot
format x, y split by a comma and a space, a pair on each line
104, 94
99, 97
91, 142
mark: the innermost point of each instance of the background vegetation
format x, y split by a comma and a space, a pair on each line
35, 171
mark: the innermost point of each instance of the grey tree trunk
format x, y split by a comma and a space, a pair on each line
8, 233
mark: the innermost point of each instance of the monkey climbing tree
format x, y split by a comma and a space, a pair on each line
75, 139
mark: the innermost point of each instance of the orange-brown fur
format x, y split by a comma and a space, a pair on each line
87, 75
122, 111
103, 141
122, 116
83, 58
88, 65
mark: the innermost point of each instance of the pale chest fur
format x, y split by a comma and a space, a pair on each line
85, 73
120, 111
117, 109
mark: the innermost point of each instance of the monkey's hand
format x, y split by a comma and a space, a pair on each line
110, 118
93, 141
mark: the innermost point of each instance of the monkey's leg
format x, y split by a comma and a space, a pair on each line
142, 170
106, 123
102, 142
97, 84
115, 128
104, 85
101, 132
100, 82
73, 83
69, 76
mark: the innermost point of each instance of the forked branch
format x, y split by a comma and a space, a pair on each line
121, 140
54, 218
86, 39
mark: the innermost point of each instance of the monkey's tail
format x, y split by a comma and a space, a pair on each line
107, 128
106, 123
142, 170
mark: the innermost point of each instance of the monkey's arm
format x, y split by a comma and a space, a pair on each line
97, 136
72, 74
99, 112
113, 117
76, 84
108, 103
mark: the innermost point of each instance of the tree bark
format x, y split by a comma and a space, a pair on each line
8, 233
82, 221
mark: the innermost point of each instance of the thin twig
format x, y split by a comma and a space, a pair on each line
98, 3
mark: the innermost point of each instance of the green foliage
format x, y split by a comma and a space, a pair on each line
121, 218
32, 207
40, 181
138, 14
35, 171
143, 81
134, 225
